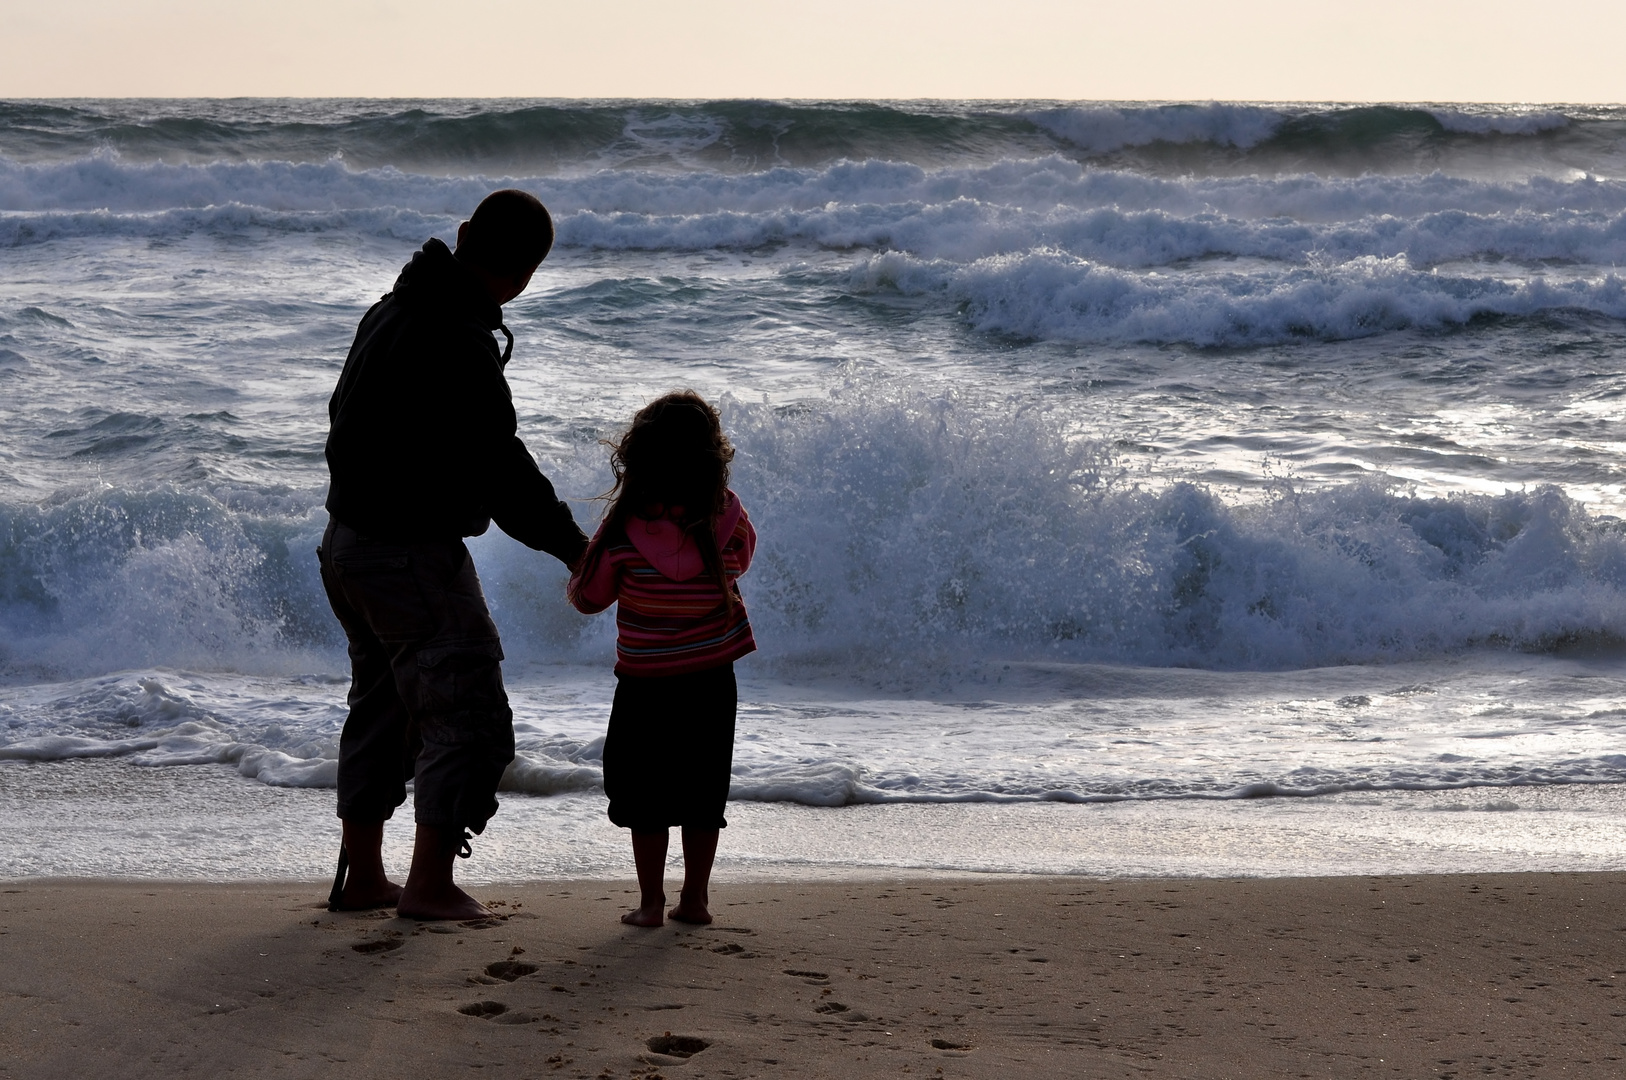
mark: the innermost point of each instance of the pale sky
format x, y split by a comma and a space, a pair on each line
1273, 50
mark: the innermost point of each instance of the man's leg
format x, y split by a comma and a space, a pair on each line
374, 761
372, 747
365, 883
454, 682
462, 761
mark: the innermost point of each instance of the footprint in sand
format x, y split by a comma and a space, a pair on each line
678, 1046
381, 945
944, 1044
509, 970
496, 1012
812, 978
835, 1010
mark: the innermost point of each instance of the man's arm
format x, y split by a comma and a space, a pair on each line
499, 469
523, 504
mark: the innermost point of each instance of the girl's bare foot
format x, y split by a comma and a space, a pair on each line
648, 915
699, 849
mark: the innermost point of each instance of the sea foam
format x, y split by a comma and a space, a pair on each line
1054, 296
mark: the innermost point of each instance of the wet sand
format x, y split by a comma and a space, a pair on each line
1460, 975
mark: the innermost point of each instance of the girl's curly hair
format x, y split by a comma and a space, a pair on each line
672, 461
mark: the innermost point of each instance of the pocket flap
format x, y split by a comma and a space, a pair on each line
363, 562
461, 656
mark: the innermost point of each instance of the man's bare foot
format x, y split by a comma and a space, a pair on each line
366, 895
429, 892
447, 902
648, 915
365, 884
690, 912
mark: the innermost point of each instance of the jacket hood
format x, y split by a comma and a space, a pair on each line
671, 550
434, 276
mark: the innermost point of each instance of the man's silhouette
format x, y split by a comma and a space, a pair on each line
423, 451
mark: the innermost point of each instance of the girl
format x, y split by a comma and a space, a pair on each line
672, 543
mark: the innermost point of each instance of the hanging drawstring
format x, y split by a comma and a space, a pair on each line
464, 846
338, 880
507, 352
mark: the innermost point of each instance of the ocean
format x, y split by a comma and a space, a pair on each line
1142, 489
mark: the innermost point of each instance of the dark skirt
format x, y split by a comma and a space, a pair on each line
670, 750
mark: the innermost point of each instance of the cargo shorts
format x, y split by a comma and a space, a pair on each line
426, 696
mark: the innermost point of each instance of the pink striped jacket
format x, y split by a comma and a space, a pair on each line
670, 616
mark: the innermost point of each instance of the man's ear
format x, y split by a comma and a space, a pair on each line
461, 231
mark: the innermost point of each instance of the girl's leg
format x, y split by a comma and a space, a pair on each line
649, 856
699, 850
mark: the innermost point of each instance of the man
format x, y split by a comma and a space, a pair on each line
423, 451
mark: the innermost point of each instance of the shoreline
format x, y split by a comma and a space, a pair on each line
113, 818
1441, 975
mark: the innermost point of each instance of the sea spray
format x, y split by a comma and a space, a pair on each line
898, 524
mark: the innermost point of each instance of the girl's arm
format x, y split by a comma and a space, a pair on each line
593, 586
742, 544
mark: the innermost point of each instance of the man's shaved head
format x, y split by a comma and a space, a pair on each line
508, 235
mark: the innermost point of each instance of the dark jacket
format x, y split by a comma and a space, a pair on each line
423, 442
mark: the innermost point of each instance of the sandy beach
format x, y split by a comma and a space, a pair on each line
1481, 974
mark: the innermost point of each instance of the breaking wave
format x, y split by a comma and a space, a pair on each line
897, 524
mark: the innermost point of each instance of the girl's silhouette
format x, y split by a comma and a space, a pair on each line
673, 542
